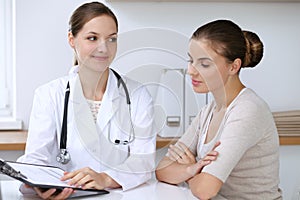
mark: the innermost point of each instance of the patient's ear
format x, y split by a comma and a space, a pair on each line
235, 66
71, 39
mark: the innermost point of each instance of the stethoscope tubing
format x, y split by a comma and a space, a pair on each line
64, 156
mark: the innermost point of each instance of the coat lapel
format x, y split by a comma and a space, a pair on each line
110, 102
92, 135
83, 120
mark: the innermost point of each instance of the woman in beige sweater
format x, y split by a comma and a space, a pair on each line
247, 166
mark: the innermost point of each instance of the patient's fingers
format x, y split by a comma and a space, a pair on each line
172, 154
179, 151
197, 167
187, 151
216, 145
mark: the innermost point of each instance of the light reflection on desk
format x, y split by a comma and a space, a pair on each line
152, 190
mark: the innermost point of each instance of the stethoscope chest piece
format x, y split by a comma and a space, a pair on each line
63, 156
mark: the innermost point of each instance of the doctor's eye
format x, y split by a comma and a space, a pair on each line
112, 39
92, 38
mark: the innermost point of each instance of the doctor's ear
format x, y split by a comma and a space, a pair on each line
71, 39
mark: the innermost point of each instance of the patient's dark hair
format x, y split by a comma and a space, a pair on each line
230, 41
87, 12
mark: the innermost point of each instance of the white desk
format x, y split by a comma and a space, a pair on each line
152, 190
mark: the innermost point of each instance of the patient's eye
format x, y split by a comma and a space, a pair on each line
190, 61
205, 64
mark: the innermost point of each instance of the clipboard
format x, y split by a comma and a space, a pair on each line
43, 176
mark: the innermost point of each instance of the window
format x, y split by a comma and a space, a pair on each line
7, 66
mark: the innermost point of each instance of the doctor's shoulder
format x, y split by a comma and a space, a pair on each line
137, 89
53, 88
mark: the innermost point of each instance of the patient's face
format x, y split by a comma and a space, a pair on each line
208, 70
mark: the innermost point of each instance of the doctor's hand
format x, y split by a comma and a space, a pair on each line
52, 194
87, 178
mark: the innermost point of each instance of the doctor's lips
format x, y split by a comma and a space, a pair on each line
101, 58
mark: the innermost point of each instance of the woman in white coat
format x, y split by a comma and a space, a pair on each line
110, 139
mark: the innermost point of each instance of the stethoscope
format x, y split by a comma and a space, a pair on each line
63, 156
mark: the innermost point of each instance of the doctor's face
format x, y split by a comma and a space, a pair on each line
95, 45
207, 69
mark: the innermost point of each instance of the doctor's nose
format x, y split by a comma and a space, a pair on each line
102, 46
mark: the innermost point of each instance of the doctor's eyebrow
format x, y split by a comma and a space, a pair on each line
95, 33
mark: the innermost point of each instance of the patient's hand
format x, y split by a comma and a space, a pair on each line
181, 154
211, 156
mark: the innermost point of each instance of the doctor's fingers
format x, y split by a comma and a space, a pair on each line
84, 181
77, 180
93, 184
49, 194
44, 194
83, 176
69, 175
92, 181
64, 194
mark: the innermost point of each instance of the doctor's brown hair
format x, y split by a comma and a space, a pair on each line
87, 12
230, 41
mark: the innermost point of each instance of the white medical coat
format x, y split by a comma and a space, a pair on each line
87, 142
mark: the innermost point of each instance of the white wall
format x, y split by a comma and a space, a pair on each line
43, 53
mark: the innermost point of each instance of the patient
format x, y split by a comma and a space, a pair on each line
247, 166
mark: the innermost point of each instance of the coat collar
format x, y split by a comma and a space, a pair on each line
110, 101
94, 137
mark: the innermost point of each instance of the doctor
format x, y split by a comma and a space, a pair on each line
93, 123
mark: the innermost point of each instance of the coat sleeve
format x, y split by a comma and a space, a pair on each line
41, 141
140, 164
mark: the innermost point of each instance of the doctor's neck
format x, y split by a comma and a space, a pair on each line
93, 84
